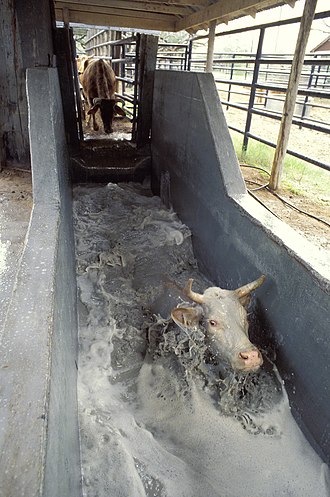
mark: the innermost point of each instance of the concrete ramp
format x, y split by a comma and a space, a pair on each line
195, 170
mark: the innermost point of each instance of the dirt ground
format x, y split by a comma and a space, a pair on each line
16, 188
316, 230
310, 143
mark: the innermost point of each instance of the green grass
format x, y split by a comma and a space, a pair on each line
298, 176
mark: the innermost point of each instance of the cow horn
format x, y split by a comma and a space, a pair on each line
97, 101
247, 289
196, 297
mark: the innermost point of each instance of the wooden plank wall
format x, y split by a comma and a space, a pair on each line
26, 35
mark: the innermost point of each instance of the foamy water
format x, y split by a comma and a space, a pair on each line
157, 418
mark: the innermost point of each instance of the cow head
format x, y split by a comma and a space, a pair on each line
223, 316
108, 108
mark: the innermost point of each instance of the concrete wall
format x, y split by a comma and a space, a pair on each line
39, 442
236, 240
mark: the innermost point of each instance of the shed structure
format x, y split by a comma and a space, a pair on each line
39, 439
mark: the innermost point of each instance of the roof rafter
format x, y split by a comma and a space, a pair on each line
110, 11
168, 15
188, 3
144, 6
224, 9
112, 19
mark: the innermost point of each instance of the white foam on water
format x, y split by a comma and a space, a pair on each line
150, 421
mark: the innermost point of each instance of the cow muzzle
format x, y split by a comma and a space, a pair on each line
249, 360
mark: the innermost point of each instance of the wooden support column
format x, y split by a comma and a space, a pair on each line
26, 41
147, 65
65, 61
210, 47
290, 100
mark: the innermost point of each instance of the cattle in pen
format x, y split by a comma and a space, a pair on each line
99, 87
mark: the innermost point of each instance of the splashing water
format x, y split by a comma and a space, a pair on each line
159, 415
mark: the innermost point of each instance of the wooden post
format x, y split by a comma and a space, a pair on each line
26, 41
290, 100
63, 43
210, 47
147, 57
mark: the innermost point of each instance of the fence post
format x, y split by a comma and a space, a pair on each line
148, 58
210, 47
291, 95
253, 89
189, 55
63, 43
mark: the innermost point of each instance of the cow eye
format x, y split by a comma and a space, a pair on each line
213, 322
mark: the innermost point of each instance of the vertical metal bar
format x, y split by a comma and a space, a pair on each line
108, 39
230, 78
123, 69
317, 77
77, 87
309, 84
253, 89
136, 83
190, 47
186, 58
266, 91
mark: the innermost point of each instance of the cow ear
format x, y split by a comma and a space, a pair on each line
186, 317
119, 110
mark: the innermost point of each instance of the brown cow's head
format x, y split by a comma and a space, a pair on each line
223, 316
108, 108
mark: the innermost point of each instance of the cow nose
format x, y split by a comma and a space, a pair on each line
252, 359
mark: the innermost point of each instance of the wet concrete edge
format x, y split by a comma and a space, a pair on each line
39, 439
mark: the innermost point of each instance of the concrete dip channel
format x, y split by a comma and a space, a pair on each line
234, 240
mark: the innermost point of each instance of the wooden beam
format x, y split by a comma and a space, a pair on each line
73, 7
126, 5
291, 95
210, 47
190, 3
120, 21
292, 3
223, 9
251, 12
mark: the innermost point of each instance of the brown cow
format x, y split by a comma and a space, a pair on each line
99, 86
82, 62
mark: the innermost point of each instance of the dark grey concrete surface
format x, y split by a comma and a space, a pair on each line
39, 442
236, 240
